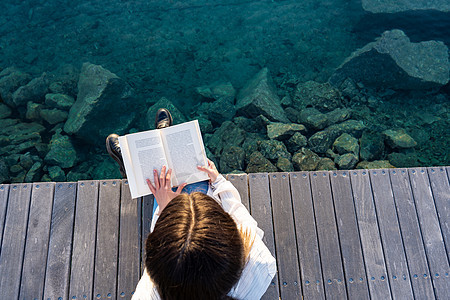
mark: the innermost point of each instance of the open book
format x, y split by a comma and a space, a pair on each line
179, 147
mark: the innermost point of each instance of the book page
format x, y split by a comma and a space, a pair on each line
185, 151
146, 153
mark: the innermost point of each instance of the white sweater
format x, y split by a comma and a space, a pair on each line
261, 266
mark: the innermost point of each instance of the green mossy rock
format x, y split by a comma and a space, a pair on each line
62, 152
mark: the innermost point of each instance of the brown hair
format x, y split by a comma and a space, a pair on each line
196, 250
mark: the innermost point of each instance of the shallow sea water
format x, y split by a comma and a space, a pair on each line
179, 49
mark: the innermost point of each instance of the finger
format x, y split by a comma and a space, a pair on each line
156, 179
150, 185
168, 175
162, 177
180, 188
204, 169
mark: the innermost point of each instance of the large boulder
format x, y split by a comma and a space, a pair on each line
392, 6
259, 97
104, 104
392, 61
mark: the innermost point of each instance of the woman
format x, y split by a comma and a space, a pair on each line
203, 246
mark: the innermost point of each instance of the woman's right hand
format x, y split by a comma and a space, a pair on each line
210, 169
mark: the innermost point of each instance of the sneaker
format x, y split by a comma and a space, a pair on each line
113, 148
163, 118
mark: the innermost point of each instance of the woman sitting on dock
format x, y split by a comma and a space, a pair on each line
201, 245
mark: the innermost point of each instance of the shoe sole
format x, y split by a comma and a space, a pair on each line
170, 118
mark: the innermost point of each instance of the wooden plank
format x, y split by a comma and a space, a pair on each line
147, 215
261, 210
306, 234
285, 242
60, 244
84, 238
352, 255
240, 181
129, 244
106, 254
394, 252
370, 235
441, 194
4, 192
330, 254
431, 232
412, 236
14, 236
36, 245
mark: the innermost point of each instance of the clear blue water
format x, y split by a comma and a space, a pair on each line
171, 48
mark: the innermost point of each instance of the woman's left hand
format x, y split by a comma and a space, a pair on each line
162, 190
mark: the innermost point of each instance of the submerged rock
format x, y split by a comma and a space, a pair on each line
62, 152
229, 134
321, 96
392, 6
296, 142
34, 90
377, 164
218, 90
4, 172
59, 101
326, 164
17, 137
5, 111
33, 111
372, 146
53, 116
281, 131
35, 172
56, 173
305, 160
403, 160
314, 119
104, 104
347, 161
285, 165
258, 163
345, 143
258, 97
321, 141
392, 61
232, 159
10, 80
399, 139
273, 149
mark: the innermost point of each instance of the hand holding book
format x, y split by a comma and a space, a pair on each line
162, 190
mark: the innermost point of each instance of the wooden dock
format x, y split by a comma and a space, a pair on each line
360, 234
